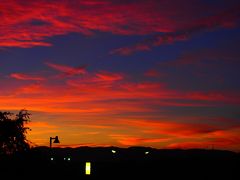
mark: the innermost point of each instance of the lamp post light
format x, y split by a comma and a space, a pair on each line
88, 168
56, 140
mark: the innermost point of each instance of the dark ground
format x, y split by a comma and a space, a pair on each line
124, 164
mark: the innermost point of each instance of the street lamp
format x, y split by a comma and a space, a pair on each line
56, 140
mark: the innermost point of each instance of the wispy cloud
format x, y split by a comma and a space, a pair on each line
42, 19
68, 70
220, 20
154, 73
109, 93
128, 140
148, 44
21, 76
222, 139
108, 76
40, 124
178, 134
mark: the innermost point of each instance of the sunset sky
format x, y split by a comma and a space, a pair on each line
158, 73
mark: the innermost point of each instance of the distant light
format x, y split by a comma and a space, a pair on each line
147, 152
88, 168
69, 159
113, 151
64, 159
52, 159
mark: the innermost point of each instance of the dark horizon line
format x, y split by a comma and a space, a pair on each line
139, 147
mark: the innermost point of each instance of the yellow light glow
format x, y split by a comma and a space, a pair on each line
88, 168
113, 151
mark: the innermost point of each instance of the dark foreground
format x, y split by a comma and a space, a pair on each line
116, 163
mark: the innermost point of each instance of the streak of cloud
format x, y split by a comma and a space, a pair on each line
67, 70
37, 21
21, 76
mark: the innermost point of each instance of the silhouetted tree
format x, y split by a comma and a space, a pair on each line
13, 133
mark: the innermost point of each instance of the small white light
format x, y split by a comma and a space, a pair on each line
51, 159
69, 159
147, 152
113, 151
64, 159
88, 168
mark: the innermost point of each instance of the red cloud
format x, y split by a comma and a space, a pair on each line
153, 73
131, 49
107, 76
22, 76
223, 19
181, 135
107, 103
231, 143
99, 82
67, 70
31, 89
23, 44
28, 24
105, 92
215, 58
148, 44
215, 96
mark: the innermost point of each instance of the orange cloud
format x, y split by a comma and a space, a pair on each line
39, 124
209, 143
83, 145
41, 131
170, 128
110, 104
160, 133
178, 135
127, 140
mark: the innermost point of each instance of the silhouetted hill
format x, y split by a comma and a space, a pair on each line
123, 163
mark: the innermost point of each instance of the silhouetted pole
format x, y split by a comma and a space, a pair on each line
50, 142
56, 140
